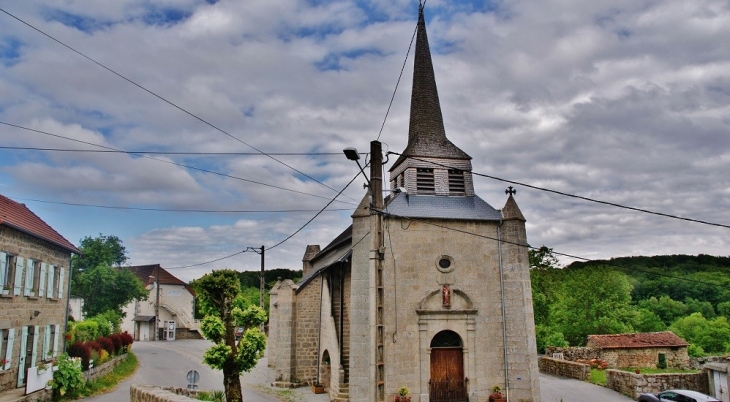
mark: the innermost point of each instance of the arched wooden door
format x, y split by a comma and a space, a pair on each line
447, 382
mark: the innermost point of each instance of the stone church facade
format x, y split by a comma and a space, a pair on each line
428, 291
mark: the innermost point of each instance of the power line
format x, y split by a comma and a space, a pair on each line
279, 243
169, 162
191, 114
173, 152
315, 215
224, 211
397, 82
580, 197
537, 248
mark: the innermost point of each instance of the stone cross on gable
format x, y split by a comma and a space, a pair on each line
510, 191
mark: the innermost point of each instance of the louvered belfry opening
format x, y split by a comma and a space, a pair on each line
425, 181
456, 182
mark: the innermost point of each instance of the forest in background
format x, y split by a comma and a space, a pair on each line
688, 295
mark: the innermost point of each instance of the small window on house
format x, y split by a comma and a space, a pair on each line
50, 285
424, 181
456, 181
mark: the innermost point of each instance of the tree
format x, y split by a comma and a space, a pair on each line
96, 280
593, 301
102, 250
711, 335
219, 294
542, 258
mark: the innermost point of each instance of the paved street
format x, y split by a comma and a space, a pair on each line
167, 363
557, 389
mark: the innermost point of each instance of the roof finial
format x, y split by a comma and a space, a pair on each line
510, 191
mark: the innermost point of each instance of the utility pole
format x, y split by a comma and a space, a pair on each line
376, 213
261, 284
157, 302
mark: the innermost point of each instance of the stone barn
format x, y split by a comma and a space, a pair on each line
641, 350
428, 289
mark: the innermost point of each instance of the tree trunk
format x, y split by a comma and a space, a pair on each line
232, 385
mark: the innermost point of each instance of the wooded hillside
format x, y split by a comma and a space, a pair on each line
689, 295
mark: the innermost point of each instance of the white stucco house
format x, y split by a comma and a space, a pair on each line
173, 314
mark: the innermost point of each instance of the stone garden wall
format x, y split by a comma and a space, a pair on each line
575, 353
564, 368
631, 384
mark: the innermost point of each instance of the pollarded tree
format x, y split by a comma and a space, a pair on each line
219, 294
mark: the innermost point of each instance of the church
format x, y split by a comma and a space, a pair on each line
427, 289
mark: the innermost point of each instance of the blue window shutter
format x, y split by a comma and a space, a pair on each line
3, 269
29, 265
60, 282
9, 348
42, 281
21, 360
56, 339
47, 353
19, 268
51, 278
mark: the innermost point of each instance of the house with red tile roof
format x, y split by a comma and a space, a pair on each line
34, 282
641, 350
169, 308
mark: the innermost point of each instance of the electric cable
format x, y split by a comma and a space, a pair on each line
222, 211
580, 197
170, 162
279, 243
160, 97
537, 248
173, 152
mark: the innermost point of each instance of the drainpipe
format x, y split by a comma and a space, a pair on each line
68, 302
319, 325
504, 313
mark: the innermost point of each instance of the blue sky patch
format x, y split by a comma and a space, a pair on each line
332, 62
9, 51
80, 22
165, 16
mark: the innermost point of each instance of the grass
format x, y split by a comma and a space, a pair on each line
108, 382
598, 377
286, 395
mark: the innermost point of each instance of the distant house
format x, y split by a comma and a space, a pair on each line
34, 281
641, 349
176, 307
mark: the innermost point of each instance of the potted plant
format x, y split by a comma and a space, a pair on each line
41, 367
496, 395
402, 395
3, 363
317, 388
6, 289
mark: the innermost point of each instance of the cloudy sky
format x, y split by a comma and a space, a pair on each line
623, 101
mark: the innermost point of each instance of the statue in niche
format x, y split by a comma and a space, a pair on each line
446, 295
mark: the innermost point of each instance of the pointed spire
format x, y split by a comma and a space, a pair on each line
426, 133
511, 211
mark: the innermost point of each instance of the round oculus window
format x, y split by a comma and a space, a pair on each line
445, 263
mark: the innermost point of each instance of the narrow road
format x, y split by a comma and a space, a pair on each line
561, 389
166, 364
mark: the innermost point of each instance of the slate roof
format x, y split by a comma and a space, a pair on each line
441, 207
426, 133
18, 216
639, 340
143, 272
337, 251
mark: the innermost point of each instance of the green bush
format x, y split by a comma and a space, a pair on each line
67, 380
86, 330
662, 364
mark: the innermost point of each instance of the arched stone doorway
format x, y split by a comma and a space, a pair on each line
325, 370
447, 382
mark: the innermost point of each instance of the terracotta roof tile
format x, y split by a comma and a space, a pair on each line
18, 216
639, 340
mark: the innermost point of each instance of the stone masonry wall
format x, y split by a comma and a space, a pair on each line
632, 384
151, 393
564, 368
574, 353
18, 311
307, 331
